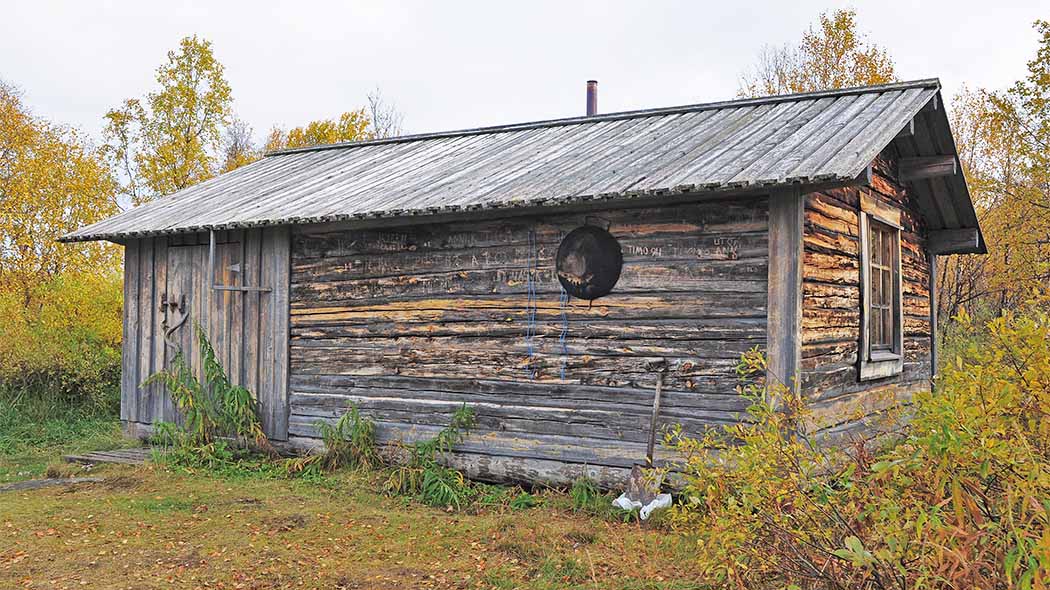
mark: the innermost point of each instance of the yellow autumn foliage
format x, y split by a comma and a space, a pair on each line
835, 54
51, 183
957, 497
1004, 146
170, 139
59, 303
350, 126
67, 345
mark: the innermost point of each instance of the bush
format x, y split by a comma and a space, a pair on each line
350, 442
64, 346
962, 501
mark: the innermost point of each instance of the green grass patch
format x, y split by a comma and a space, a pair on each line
158, 504
233, 518
35, 432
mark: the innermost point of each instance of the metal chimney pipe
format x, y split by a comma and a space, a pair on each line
592, 97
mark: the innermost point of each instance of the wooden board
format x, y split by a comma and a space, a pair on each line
785, 288
135, 456
130, 341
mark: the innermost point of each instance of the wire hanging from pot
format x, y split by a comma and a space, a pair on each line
563, 302
530, 308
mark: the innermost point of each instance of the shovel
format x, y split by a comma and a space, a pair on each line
643, 492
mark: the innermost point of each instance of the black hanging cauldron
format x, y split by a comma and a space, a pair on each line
589, 262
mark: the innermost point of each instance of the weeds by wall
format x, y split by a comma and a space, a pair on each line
212, 410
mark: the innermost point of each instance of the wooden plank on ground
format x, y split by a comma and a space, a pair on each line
135, 456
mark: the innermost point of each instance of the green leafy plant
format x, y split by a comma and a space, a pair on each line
524, 501
444, 486
166, 435
490, 495
350, 442
423, 477
586, 496
212, 409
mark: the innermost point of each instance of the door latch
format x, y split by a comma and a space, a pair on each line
165, 303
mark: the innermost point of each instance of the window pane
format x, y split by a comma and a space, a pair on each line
887, 287
887, 335
875, 327
888, 247
882, 272
887, 326
876, 250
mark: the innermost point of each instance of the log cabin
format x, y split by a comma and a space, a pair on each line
562, 277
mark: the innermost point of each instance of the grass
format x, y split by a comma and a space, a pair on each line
34, 433
249, 525
153, 527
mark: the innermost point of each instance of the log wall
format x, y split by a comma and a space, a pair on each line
843, 405
410, 323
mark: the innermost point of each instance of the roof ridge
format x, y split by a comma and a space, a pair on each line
620, 115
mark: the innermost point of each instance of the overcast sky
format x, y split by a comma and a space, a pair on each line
450, 65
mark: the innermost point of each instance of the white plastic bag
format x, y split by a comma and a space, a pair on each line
660, 502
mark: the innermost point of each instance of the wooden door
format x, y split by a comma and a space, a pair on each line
167, 292
246, 328
184, 307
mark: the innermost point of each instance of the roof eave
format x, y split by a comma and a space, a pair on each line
428, 215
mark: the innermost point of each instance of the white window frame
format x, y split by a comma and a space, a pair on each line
880, 364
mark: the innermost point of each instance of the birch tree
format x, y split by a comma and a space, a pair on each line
834, 54
172, 138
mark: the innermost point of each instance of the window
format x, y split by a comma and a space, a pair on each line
883, 240
882, 334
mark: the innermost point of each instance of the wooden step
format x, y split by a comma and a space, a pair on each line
136, 456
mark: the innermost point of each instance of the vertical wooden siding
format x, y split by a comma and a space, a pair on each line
410, 323
249, 330
843, 404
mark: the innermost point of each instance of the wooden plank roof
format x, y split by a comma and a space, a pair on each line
739, 145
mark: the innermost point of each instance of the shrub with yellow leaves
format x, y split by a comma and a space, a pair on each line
66, 346
960, 500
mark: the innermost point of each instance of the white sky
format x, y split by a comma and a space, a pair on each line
449, 65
